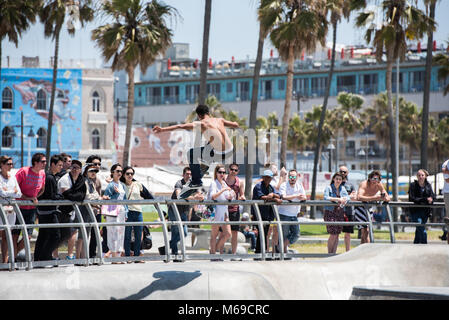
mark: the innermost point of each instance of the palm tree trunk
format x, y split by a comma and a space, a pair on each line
323, 114
130, 115
426, 96
52, 99
392, 131
249, 168
204, 62
286, 116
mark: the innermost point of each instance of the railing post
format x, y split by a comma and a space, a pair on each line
261, 230
391, 223
8, 233
180, 224
370, 225
96, 230
25, 237
164, 230
83, 233
280, 231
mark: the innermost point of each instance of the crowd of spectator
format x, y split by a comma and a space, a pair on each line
69, 179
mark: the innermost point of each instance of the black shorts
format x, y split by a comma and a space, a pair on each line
234, 216
195, 217
348, 229
29, 216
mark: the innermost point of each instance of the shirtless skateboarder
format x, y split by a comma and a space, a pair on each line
218, 148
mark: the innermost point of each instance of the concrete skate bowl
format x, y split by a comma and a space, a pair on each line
420, 270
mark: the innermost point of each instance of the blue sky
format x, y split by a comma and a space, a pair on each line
234, 32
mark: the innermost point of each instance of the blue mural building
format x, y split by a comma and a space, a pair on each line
27, 92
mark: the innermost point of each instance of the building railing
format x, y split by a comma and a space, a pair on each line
263, 255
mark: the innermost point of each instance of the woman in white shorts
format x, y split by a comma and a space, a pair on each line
9, 190
220, 191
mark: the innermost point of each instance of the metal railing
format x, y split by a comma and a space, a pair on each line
263, 255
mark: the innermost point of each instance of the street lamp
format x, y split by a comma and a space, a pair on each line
330, 147
30, 135
363, 153
299, 97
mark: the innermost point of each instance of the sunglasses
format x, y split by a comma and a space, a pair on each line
129, 173
375, 179
343, 171
43, 161
118, 171
221, 172
235, 170
97, 163
292, 177
9, 164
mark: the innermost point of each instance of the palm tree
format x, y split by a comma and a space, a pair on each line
409, 128
297, 137
249, 168
295, 26
401, 21
137, 35
53, 15
430, 4
15, 18
348, 114
205, 53
337, 9
442, 60
438, 147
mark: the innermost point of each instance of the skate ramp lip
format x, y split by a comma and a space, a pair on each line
367, 266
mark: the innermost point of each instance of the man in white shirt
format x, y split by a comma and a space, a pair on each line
291, 190
445, 169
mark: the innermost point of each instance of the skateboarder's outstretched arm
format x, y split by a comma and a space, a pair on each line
230, 124
185, 126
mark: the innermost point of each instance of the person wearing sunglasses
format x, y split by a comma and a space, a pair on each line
116, 190
233, 182
73, 187
369, 190
291, 190
134, 191
220, 191
349, 214
9, 190
31, 181
48, 238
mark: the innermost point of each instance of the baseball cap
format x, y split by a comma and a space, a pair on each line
268, 173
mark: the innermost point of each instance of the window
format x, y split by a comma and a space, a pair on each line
41, 138
95, 102
7, 98
301, 86
319, 86
41, 100
95, 139
154, 96
417, 81
171, 95
281, 84
214, 89
243, 90
368, 83
192, 92
346, 83
229, 87
7, 137
350, 148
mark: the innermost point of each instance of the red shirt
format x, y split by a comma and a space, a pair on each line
30, 183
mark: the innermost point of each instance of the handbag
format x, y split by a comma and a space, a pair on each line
111, 210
